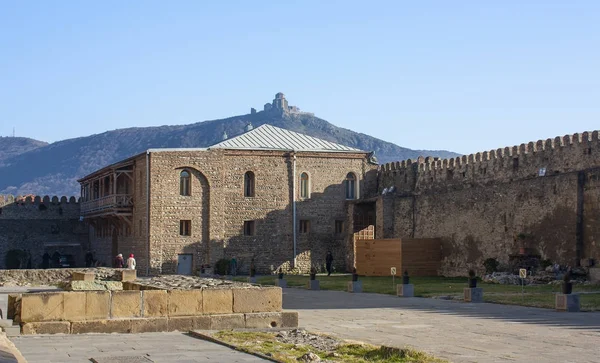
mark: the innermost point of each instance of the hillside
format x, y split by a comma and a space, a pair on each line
13, 146
54, 169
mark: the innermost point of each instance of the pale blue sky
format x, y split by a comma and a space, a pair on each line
464, 76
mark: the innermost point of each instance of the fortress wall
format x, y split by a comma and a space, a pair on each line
478, 204
41, 224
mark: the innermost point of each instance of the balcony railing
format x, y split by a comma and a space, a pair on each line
122, 202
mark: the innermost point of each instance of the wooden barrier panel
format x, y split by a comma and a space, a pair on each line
375, 257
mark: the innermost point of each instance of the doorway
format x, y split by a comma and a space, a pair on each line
184, 264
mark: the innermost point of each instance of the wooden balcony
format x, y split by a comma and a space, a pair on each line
115, 204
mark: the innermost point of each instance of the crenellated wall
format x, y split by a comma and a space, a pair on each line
41, 224
478, 203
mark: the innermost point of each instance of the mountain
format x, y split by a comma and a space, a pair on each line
54, 169
13, 146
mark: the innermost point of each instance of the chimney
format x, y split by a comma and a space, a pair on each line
248, 127
224, 137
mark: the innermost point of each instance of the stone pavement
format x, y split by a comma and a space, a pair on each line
457, 331
125, 348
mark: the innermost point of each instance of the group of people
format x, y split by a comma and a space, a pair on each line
120, 262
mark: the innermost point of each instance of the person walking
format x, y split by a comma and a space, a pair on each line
131, 262
119, 262
328, 262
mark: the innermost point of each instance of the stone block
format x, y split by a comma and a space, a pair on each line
313, 285
10, 308
128, 275
149, 325
97, 305
83, 276
281, 283
289, 319
48, 327
181, 323
42, 307
184, 302
94, 286
74, 305
264, 320
355, 286
154, 303
405, 290
473, 294
567, 302
217, 301
122, 326
263, 300
227, 321
126, 304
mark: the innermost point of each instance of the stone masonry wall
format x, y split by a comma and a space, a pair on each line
218, 208
41, 225
478, 204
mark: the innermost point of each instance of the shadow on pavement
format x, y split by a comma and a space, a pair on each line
300, 299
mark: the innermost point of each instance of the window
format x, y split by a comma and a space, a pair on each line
304, 187
339, 227
185, 228
350, 186
248, 228
184, 183
304, 226
249, 184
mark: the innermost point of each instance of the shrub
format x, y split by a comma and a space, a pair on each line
491, 265
222, 266
545, 263
14, 257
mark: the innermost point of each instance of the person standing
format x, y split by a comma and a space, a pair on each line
46, 260
131, 262
328, 262
119, 262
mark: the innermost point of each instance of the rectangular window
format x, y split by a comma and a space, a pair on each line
248, 228
304, 226
339, 227
185, 228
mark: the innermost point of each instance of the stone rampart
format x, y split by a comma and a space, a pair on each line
547, 192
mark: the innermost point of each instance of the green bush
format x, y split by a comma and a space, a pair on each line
222, 266
545, 263
491, 265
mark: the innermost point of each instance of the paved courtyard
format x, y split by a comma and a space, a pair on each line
126, 348
460, 332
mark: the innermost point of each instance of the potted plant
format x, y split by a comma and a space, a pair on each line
252, 271
280, 274
567, 285
405, 278
313, 274
472, 279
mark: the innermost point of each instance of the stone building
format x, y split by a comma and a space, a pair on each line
270, 195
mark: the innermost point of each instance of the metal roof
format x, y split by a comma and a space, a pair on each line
267, 137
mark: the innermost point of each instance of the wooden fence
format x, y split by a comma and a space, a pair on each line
375, 257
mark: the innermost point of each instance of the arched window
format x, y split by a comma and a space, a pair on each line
350, 184
184, 183
304, 186
249, 184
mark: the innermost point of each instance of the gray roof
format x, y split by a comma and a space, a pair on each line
267, 137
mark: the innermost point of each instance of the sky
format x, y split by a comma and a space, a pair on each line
464, 76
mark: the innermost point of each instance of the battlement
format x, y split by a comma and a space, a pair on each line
541, 158
38, 207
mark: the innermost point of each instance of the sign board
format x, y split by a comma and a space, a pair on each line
542, 172
522, 273
393, 271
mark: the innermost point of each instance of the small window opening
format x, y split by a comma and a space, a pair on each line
248, 228
185, 228
304, 226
